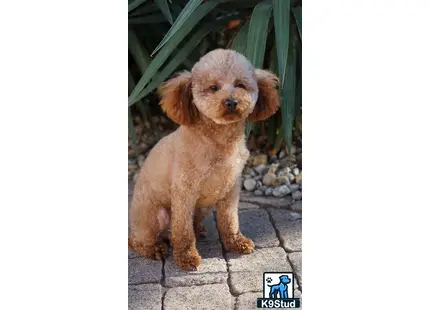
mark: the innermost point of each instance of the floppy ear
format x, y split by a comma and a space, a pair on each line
268, 97
176, 99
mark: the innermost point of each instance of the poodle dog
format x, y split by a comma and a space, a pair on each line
281, 288
198, 166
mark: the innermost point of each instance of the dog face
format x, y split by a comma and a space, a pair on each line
284, 279
224, 87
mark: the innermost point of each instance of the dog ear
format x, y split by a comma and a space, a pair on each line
268, 97
176, 99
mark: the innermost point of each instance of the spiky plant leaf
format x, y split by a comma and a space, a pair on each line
164, 8
240, 41
133, 5
139, 53
183, 53
186, 13
281, 17
149, 19
170, 46
288, 93
257, 33
297, 12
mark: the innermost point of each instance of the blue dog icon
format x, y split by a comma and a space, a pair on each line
281, 288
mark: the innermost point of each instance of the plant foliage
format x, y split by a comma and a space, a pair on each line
166, 36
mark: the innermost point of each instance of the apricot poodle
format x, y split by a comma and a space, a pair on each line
198, 166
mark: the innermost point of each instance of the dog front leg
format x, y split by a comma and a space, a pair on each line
228, 223
185, 253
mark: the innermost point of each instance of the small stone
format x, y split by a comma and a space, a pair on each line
298, 178
273, 159
253, 173
258, 192
132, 167
261, 169
259, 184
268, 191
263, 188
282, 180
143, 147
140, 160
297, 206
296, 171
273, 168
259, 160
269, 178
291, 177
247, 171
258, 177
291, 158
250, 184
282, 154
281, 191
293, 149
247, 176
294, 187
297, 195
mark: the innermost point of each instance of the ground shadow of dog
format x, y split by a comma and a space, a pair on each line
280, 289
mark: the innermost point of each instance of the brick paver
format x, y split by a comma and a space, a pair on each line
145, 297
202, 297
224, 280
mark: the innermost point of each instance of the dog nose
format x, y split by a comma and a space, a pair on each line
231, 103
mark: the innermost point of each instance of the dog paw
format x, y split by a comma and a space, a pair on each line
155, 252
240, 244
187, 260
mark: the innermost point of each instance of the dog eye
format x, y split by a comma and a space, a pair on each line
240, 85
213, 88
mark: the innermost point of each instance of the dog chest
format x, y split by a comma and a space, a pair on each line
222, 177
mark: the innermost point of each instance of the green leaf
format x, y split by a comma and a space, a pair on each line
279, 139
273, 65
271, 130
181, 20
164, 8
139, 53
288, 93
248, 128
182, 54
149, 19
257, 34
240, 40
131, 127
144, 10
281, 16
135, 4
297, 12
170, 46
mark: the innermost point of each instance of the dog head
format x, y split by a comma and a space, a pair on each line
284, 279
222, 86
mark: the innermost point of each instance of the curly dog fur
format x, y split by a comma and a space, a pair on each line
198, 166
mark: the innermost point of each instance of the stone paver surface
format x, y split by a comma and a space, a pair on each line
144, 297
224, 280
202, 297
